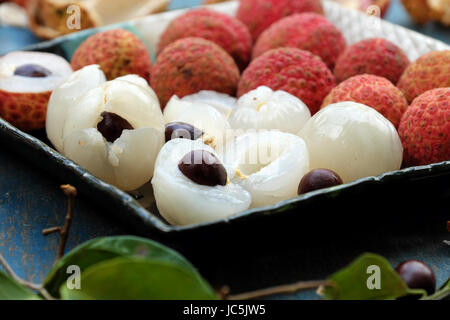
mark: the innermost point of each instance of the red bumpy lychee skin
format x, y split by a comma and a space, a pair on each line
118, 52
258, 15
26, 111
428, 72
375, 56
425, 129
373, 91
190, 65
307, 31
224, 30
293, 70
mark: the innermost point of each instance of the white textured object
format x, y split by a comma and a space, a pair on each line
355, 26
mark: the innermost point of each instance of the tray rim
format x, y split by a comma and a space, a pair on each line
149, 217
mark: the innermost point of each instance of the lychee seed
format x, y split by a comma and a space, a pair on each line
182, 130
319, 179
32, 71
203, 168
112, 125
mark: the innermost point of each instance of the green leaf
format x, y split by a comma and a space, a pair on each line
11, 290
139, 279
353, 282
443, 293
103, 249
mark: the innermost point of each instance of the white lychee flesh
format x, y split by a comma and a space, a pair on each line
205, 116
264, 108
64, 98
59, 68
127, 162
353, 140
268, 164
182, 201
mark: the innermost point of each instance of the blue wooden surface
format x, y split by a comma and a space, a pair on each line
30, 201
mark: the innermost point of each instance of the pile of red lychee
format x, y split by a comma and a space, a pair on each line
282, 59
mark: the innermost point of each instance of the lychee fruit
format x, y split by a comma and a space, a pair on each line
258, 15
190, 65
196, 191
114, 129
373, 91
265, 109
307, 31
295, 71
428, 72
353, 140
375, 56
26, 82
425, 128
224, 30
118, 52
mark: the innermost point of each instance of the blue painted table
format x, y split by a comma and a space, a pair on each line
30, 201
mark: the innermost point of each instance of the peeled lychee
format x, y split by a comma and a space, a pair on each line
113, 129
224, 30
353, 140
182, 200
264, 108
118, 52
268, 164
375, 56
428, 72
190, 65
258, 15
373, 91
26, 82
295, 71
202, 115
307, 31
425, 128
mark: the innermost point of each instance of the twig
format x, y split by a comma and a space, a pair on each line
71, 193
33, 286
284, 289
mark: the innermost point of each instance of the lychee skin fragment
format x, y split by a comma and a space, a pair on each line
118, 52
190, 65
375, 56
258, 15
373, 91
296, 71
307, 31
425, 129
428, 72
224, 30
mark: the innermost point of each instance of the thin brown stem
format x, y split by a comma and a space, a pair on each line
284, 289
71, 193
33, 286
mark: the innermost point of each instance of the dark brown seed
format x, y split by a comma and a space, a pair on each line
112, 125
318, 179
181, 130
203, 168
417, 275
32, 71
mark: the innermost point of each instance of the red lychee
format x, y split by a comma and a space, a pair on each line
428, 72
258, 15
425, 129
118, 52
375, 56
293, 70
26, 82
307, 31
373, 91
190, 65
224, 30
